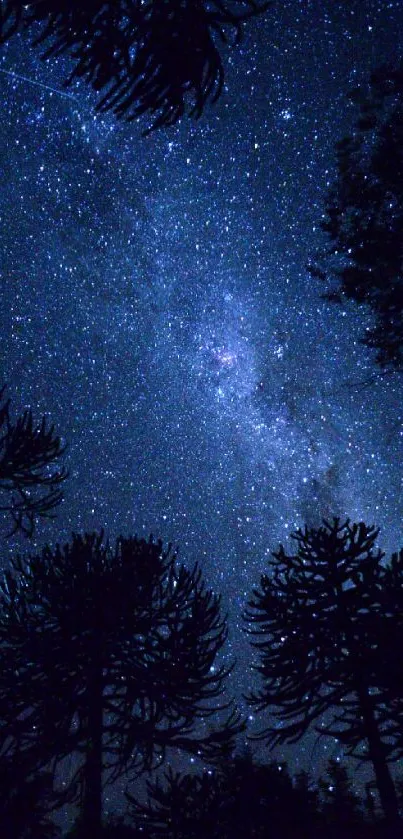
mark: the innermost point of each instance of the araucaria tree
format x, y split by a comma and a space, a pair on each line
109, 654
327, 620
363, 219
146, 56
30, 472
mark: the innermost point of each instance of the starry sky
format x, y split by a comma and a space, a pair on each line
155, 303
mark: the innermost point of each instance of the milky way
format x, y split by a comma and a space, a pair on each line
162, 313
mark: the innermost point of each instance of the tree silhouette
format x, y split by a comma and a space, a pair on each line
29, 472
364, 217
324, 618
109, 654
340, 805
26, 801
115, 827
385, 663
179, 806
306, 805
158, 57
256, 795
240, 799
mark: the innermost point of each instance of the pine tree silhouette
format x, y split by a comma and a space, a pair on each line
26, 801
108, 654
30, 475
339, 805
324, 618
364, 217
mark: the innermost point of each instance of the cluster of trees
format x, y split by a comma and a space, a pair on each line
240, 797
110, 657
244, 798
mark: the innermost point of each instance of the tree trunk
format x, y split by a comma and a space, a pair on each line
92, 803
376, 749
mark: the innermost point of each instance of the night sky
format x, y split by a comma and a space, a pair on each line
155, 303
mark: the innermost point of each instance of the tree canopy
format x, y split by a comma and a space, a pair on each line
363, 218
239, 799
30, 474
323, 618
109, 655
158, 57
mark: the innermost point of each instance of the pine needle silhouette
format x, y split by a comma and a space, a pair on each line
158, 56
29, 472
363, 218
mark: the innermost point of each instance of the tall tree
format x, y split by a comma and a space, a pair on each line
363, 218
30, 474
324, 618
158, 56
109, 654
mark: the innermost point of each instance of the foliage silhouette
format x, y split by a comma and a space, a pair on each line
114, 828
324, 618
339, 804
29, 472
108, 654
364, 217
146, 57
26, 801
306, 804
241, 798
178, 805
